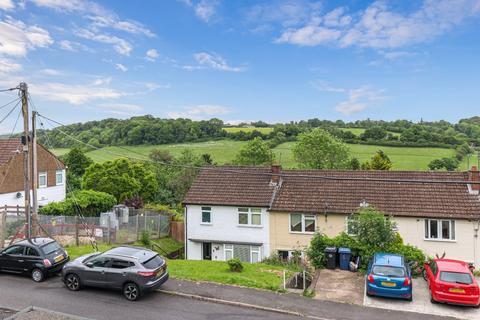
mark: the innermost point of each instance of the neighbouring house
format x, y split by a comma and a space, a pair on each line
51, 175
247, 212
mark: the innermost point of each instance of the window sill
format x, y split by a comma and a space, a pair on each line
301, 232
439, 240
249, 226
206, 223
59, 184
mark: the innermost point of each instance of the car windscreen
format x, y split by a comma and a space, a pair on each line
388, 271
153, 263
456, 277
50, 247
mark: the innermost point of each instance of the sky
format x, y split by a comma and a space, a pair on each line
276, 61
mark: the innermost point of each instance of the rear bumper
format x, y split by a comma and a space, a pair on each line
157, 283
399, 293
57, 267
457, 299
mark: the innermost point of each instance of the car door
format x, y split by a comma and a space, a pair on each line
12, 259
31, 259
94, 272
431, 273
116, 273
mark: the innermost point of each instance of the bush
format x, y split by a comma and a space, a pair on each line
145, 238
235, 265
89, 203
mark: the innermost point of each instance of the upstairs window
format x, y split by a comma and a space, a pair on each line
206, 215
304, 223
249, 216
59, 177
42, 179
439, 229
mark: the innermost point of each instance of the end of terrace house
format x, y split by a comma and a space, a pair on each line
252, 212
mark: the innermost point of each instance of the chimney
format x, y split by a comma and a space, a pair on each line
474, 175
276, 172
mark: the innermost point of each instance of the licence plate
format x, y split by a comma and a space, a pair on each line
388, 284
59, 258
456, 290
160, 272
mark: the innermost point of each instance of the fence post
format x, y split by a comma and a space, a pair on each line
3, 228
284, 280
108, 229
77, 240
145, 221
136, 227
159, 224
304, 280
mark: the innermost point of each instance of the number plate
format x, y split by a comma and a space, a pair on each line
161, 271
456, 290
388, 284
59, 258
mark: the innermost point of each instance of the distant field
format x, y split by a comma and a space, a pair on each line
359, 131
236, 129
224, 151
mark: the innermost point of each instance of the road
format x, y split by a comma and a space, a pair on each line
18, 292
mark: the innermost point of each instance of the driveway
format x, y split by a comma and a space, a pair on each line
421, 303
340, 286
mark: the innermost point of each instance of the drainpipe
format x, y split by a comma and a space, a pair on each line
186, 233
476, 226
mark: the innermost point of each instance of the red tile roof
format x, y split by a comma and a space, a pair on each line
8, 148
311, 193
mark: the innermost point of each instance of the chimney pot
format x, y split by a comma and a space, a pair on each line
474, 176
276, 170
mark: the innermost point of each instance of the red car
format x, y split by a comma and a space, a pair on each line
451, 281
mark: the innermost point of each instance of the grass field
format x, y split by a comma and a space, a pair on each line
237, 129
224, 151
359, 131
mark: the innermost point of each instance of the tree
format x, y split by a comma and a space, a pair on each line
318, 149
354, 164
374, 133
76, 161
159, 155
89, 203
255, 152
379, 161
373, 228
449, 164
121, 178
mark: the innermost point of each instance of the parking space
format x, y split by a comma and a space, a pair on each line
340, 286
421, 303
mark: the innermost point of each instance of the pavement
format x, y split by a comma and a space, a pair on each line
180, 299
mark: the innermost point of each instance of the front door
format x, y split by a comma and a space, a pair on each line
207, 251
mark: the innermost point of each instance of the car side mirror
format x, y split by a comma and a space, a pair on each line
89, 264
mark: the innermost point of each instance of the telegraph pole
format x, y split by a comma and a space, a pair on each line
34, 218
26, 155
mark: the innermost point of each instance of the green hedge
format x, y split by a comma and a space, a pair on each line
89, 203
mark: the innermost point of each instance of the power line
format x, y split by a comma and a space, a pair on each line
11, 89
5, 105
246, 172
8, 114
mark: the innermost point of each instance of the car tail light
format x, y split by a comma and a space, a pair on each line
407, 282
370, 279
47, 263
146, 274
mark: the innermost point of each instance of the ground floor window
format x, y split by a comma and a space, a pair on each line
439, 229
243, 252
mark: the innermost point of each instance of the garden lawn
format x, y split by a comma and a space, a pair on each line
256, 275
167, 244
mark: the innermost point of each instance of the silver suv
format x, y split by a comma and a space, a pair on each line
133, 270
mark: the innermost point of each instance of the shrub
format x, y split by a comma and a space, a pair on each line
89, 203
235, 265
145, 238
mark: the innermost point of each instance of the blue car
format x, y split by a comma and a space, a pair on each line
388, 275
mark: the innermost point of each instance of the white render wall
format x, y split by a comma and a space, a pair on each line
224, 227
465, 247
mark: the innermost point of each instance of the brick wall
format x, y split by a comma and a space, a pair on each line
12, 172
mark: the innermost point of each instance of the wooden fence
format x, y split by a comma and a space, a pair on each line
177, 231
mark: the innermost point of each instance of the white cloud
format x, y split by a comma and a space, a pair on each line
72, 46
16, 38
8, 66
120, 45
204, 9
379, 27
130, 26
50, 72
6, 5
154, 86
151, 54
76, 94
121, 108
120, 67
215, 61
325, 86
200, 112
287, 13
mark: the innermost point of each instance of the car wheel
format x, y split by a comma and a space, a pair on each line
433, 300
424, 274
131, 291
37, 275
410, 299
72, 282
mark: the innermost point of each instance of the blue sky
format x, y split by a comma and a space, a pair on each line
243, 60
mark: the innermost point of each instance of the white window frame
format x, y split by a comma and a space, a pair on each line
257, 250
56, 176
304, 215
43, 174
451, 226
250, 212
229, 248
204, 209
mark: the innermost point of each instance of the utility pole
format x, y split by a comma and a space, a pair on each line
34, 218
26, 155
